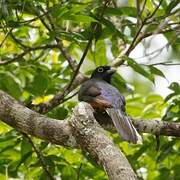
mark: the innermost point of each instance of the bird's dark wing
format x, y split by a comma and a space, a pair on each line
118, 115
91, 93
88, 90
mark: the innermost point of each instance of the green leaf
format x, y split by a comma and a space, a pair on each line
166, 150
153, 98
139, 153
69, 36
126, 11
134, 110
175, 87
58, 11
114, 31
156, 71
68, 172
169, 96
120, 83
9, 84
176, 168
79, 18
164, 173
8, 136
138, 68
100, 53
39, 84
58, 113
26, 147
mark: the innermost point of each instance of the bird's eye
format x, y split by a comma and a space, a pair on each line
100, 69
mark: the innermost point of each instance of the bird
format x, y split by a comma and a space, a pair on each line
104, 97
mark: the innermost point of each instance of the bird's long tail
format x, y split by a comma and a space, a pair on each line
124, 126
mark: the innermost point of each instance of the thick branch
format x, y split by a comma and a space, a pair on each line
60, 132
156, 127
82, 130
30, 122
87, 132
93, 139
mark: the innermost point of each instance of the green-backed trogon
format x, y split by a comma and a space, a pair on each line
103, 96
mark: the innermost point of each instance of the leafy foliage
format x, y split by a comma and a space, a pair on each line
33, 68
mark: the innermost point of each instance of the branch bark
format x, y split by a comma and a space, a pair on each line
91, 137
80, 130
60, 132
156, 127
30, 122
82, 125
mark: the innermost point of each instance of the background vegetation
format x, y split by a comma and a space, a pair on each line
41, 45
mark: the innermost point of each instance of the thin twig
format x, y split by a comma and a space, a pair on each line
137, 38
159, 18
153, 52
40, 157
155, 10
131, 47
26, 51
6, 36
78, 172
34, 19
71, 62
162, 64
134, 43
138, 12
14, 59
159, 32
143, 7
18, 41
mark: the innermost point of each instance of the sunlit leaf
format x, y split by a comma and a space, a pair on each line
156, 71
138, 68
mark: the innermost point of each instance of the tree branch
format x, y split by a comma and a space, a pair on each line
156, 127
26, 51
91, 137
60, 132
80, 130
30, 122
133, 44
6, 36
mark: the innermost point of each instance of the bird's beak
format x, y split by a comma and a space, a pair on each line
111, 71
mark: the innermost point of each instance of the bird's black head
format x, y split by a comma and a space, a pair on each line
103, 72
